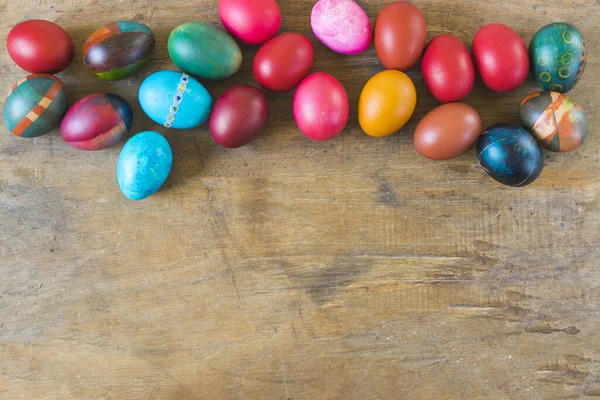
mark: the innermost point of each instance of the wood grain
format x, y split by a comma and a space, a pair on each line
353, 269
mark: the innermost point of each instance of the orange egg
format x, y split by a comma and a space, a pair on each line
386, 103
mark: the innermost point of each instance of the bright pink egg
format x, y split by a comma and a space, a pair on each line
321, 108
448, 69
500, 57
253, 22
341, 25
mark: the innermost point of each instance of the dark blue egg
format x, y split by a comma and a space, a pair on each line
510, 155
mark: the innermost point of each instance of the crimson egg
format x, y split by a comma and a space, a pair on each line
500, 57
239, 116
282, 62
321, 108
448, 69
40, 46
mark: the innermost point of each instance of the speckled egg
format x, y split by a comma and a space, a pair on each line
118, 50
96, 122
510, 155
205, 51
557, 122
341, 25
144, 165
175, 100
558, 57
35, 105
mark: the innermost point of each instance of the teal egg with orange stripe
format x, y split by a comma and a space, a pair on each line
36, 105
118, 50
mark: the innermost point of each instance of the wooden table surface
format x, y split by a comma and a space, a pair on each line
290, 269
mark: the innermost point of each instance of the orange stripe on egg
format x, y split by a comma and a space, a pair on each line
100, 35
531, 96
38, 110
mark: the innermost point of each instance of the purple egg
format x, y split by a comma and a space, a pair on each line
341, 25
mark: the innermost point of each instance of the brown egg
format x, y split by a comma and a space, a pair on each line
447, 131
400, 35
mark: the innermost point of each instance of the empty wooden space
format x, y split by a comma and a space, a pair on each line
291, 269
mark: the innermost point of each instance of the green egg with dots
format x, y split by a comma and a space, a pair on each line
558, 57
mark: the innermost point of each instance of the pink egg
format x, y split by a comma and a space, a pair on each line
321, 107
341, 25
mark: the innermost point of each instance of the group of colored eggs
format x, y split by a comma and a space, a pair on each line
39, 103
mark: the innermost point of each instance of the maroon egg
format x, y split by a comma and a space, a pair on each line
96, 122
448, 69
40, 46
282, 62
239, 116
321, 107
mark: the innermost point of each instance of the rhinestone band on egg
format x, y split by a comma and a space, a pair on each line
177, 100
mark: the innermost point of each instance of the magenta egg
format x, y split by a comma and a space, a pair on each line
321, 108
341, 25
239, 116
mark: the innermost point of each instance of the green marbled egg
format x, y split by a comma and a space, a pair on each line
558, 57
205, 51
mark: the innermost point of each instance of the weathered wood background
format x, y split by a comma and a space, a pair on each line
353, 269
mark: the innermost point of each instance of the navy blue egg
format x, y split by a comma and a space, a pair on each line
510, 155
175, 100
144, 165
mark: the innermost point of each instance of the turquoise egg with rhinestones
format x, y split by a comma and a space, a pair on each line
558, 57
175, 100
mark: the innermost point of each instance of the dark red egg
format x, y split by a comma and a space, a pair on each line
282, 62
448, 69
500, 57
96, 122
239, 116
253, 22
321, 107
40, 46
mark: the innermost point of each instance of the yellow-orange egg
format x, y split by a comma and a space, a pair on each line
386, 103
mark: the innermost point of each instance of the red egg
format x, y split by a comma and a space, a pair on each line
253, 22
400, 35
239, 116
282, 62
500, 57
448, 69
40, 46
321, 107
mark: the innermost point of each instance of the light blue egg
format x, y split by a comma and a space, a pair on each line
175, 100
144, 165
